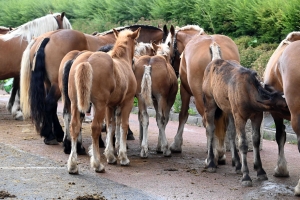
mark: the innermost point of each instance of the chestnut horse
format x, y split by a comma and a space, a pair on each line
156, 85
15, 43
63, 77
282, 74
199, 50
235, 90
33, 100
106, 80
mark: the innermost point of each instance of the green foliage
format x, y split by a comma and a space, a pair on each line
177, 103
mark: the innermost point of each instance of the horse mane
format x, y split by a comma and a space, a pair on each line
141, 48
37, 27
4, 28
190, 27
120, 46
121, 28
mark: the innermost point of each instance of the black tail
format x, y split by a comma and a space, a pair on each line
65, 80
37, 89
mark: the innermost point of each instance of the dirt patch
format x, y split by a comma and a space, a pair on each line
5, 194
91, 197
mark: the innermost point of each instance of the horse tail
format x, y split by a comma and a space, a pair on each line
83, 85
146, 91
215, 51
25, 75
37, 88
221, 123
65, 81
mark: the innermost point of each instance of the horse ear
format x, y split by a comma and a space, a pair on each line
50, 12
165, 29
136, 33
62, 15
116, 33
172, 30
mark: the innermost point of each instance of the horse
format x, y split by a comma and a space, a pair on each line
106, 80
15, 42
4, 30
156, 85
199, 50
63, 77
282, 74
232, 89
43, 108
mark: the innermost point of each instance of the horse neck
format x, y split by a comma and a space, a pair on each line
183, 37
123, 53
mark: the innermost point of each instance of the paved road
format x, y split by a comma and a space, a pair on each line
31, 170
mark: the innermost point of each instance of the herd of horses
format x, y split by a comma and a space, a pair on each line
51, 60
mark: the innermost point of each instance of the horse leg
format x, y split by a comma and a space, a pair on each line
11, 100
13, 105
117, 127
16, 109
50, 110
74, 132
162, 121
243, 146
144, 122
96, 132
209, 118
110, 126
281, 168
125, 112
231, 131
176, 146
256, 123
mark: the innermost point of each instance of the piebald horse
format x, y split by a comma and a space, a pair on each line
235, 90
34, 102
156, 85
282, 74
15, 42
198, 50
106, 80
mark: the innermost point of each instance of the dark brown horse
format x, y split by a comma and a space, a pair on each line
282, 74
230, 88
34, 102
4, 30
106, 80
15, 43
156, 85
199, 50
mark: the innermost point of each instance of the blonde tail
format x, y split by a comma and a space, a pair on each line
83, 83
146, 91
25, 76
215, 51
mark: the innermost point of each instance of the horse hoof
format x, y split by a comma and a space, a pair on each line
175, 150
167, 153
281, 173
247, 183
262, 177
75, 172
144, 154
238, 171
101, 169
50, 142
125, 162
